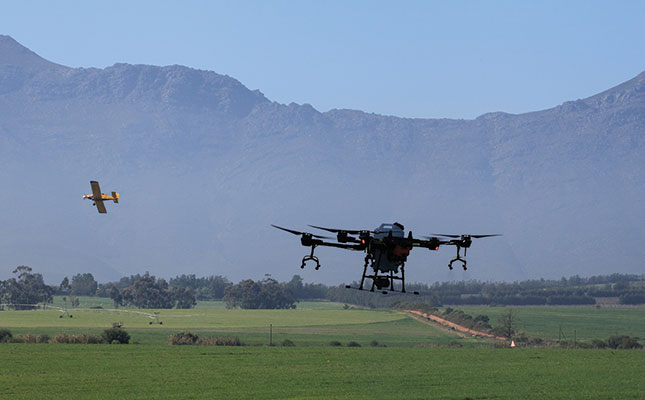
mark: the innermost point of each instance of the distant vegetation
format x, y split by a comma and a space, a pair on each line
148, 292
615, 288
188, 338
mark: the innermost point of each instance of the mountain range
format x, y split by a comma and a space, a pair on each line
204, 167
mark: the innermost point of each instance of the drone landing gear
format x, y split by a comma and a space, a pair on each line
458, 258
382, 282
310, 257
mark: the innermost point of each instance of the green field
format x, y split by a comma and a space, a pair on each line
585, 323
407, 363
311, 324
51, 371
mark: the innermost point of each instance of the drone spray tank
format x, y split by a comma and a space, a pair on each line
384, 256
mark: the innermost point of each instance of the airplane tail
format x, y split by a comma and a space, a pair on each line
116, 197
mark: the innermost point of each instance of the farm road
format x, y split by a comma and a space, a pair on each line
458, 328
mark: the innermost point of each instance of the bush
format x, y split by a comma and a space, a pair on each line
82, 338
5, 335
187, 338
623, 342
29, 338
353, 344
220, 341
288, 343
335, 343
111, 335
374, 343
183, 338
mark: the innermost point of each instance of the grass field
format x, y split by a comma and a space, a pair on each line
587, 322
411, 366
54, 371
311, 324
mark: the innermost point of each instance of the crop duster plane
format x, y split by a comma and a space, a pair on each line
98, 198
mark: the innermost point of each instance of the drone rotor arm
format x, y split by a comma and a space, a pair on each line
301, 233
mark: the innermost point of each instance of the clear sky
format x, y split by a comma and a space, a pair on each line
428, 59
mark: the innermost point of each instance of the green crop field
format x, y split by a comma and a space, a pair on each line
55, 371
311, 324
586, 323
406, 363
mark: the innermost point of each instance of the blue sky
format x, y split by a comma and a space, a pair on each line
427, 59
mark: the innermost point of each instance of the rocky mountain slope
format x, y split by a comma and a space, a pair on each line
205, 165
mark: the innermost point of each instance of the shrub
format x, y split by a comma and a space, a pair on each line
455, 344
187, 338
5, 335
81, 338
183, 338
116, 334
623, 342
335, 343
29, 338
353, 344
288, 343
219, 341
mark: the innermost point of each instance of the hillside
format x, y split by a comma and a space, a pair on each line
205, 165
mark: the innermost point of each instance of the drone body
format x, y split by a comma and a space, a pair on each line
386, 251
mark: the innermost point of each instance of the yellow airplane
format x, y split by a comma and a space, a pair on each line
98, 198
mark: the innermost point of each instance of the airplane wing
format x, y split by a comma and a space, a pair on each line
96, 190
100, 206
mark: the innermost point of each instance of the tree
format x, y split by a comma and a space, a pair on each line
214, 287
275, 295
148, 292
184, 297
66, 289
296, 287
84, 285
26, 290
114, 293
508, 323
243, 295
266, 294
64, 286
209, 288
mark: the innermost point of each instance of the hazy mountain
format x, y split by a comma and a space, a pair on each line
205, 165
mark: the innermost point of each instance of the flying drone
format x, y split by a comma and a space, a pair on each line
386, 251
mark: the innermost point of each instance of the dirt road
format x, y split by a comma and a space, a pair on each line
452, 325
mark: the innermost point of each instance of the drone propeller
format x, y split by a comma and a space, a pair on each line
466, 236
348, 231
342, 235
301, 233
483, 236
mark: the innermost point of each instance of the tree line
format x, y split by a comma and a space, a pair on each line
183, 291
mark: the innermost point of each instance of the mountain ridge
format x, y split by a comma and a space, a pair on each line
205, 165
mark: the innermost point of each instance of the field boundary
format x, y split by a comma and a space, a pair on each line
452, 325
